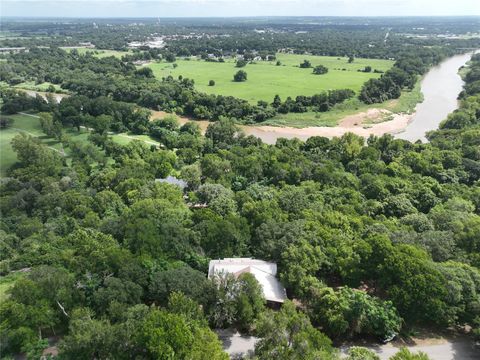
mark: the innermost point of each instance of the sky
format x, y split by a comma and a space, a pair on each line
227, 8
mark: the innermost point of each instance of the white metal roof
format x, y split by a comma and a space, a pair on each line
263, 271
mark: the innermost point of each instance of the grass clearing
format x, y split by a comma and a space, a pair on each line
30, 85
6, 283
21, 123
31, 126
98, 53
265, 79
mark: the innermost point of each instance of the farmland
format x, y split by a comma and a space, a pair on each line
266, 79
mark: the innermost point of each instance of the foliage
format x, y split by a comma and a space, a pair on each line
288, 334
320, 70
240, 76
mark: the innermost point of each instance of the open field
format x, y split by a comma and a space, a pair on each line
265, 79
31, 126
98, 53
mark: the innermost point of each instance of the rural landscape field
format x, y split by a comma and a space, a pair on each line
266, 79
257, 180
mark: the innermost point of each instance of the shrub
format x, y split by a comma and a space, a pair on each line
306, 64
320, 70
241, 63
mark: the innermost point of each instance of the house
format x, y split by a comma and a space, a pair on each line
265, 273
172, 180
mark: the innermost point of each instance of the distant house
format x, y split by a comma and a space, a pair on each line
264, 272
12, 49
172, 180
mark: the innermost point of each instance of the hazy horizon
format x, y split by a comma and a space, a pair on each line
238, 8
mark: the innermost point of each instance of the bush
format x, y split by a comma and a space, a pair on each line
211, 83
306, 64
241, 63
5, 122
320, 70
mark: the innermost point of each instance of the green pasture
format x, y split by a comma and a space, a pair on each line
266, 79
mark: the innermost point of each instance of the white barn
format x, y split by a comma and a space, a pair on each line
263, 271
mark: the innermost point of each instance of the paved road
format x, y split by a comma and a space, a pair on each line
459, 349
447, 350
234, 343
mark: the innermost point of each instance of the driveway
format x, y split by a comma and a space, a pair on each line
446, 350
235, 343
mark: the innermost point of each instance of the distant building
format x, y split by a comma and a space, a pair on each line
263, 271
12, 49
172, 180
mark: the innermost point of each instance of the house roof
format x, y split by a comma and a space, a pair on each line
172, 180
263, 271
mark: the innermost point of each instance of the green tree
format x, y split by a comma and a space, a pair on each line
250, 301
405, 354
240, 76
240, 63
156, 228
223, 133
288, 335
361, 353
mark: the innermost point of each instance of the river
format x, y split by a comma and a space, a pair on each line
440, 88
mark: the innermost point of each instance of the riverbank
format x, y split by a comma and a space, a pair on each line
357, 124
370, 122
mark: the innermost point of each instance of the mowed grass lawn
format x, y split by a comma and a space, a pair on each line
31, 126
265, 79
21, 123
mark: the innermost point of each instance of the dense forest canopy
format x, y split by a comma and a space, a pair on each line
372, 237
